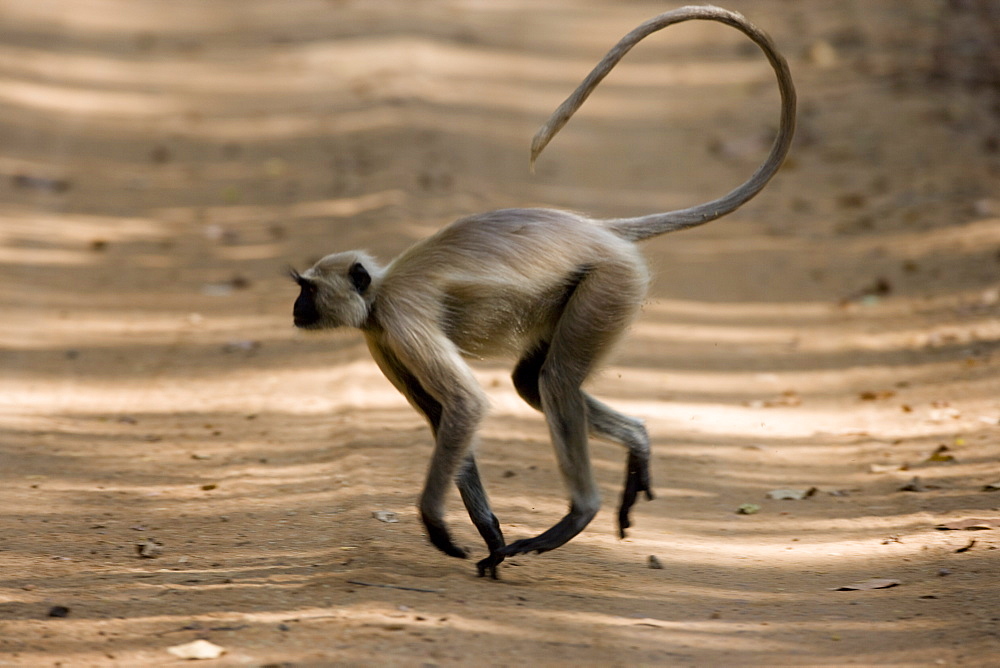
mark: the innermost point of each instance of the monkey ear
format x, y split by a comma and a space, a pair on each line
360, 277
297, 277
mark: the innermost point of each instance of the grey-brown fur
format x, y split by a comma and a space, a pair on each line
553, 289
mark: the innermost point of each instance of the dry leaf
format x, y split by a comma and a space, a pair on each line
787, 398
874, 583
969, 525
915, 486
879, 395
943, 412
942, 454
149, 549
199, 649
385, 516
791, 494
748, 509
966, 548
886, 468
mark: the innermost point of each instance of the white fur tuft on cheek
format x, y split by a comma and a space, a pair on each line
344, 308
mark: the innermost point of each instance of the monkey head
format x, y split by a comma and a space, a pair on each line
335, 292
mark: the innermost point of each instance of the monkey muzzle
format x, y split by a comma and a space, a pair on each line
305, 315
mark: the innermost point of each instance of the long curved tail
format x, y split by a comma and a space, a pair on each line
643, 227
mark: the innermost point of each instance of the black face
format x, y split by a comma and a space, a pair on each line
304, 311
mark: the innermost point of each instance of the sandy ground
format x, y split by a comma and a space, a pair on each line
178, 463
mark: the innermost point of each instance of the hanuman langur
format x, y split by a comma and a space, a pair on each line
554, 290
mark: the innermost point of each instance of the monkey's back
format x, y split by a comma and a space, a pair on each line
497, 282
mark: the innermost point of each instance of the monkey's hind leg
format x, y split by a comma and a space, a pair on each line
630, 432
604, 422
565, 411
598, 309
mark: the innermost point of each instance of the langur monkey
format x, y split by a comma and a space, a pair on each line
552, 289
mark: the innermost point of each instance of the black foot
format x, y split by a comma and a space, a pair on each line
489, 565
560, 534
491, 533
526, 545
438, 533
636, 480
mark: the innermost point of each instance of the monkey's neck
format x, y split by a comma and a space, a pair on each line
371, 324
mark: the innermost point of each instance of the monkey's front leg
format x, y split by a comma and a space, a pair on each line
453, 416
470, 486
460, 417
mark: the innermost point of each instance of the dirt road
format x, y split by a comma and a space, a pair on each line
176, 462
